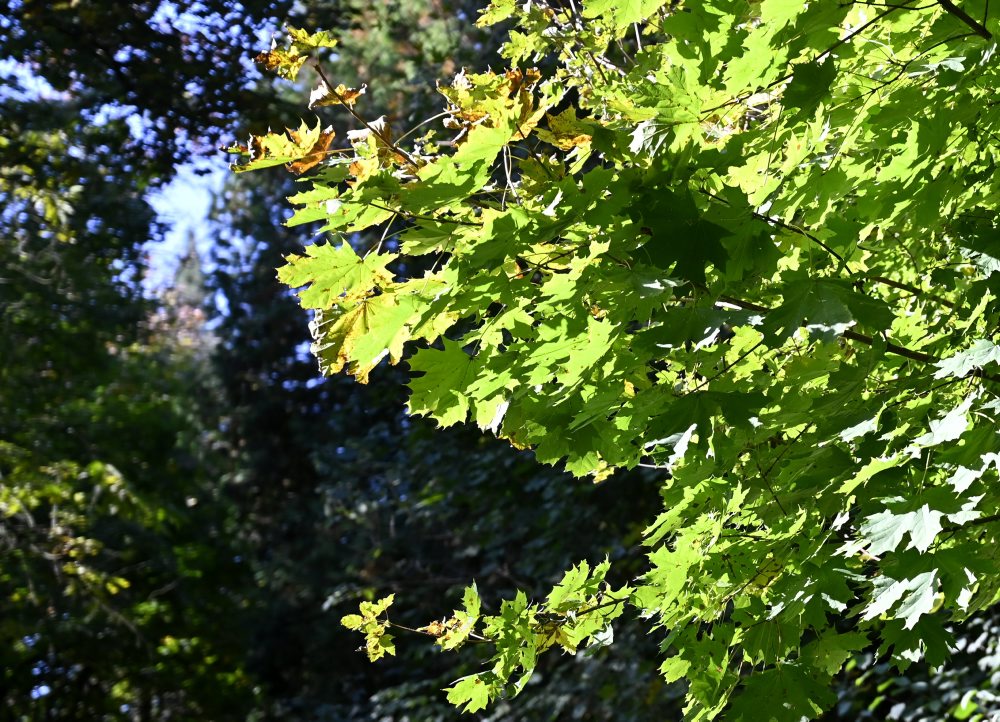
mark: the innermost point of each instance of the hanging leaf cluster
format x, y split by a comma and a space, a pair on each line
752, 246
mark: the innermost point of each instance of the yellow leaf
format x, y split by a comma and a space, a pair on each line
341, 95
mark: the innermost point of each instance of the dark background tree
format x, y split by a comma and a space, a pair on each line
371, 500
105, 556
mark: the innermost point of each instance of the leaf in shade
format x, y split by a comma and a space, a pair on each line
810, 85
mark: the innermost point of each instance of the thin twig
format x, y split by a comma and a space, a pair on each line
475, 638
377, 133
912, 289
781, 224
728, 366
865, 339
887, 5
418, 217
421, 124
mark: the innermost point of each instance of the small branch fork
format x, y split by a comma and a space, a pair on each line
959, 13
480, 639
948, 6
410, 160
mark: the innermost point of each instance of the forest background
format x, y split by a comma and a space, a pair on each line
187, 509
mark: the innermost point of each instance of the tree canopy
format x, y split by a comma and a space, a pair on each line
751, 247
185, 514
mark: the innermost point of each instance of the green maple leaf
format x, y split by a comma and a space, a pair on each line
886, 529
772, 640
786, 693
683, 242
826, 308
453, 178
949, 427
334, 274
427, 238
915, 596
441, 389
378, 642
287, 62
810, 85
471, 693
621, 13
363, 335
981, 353
496, 11
829, 652
576, 585
928, 641
460, 626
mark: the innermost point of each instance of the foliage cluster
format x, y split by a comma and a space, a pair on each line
754, 250
185, 514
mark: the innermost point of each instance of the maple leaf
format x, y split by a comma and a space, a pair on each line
830, 652
456, 630
810, 85
299, 150
981, 353
566, 131
378, 642
286, 63
824, 308
621, 13
323, 95
441, 389
915, 596
360, 337
471, 693
304, 40
886, 529
317, 145
334, 275
494, 100
787, 693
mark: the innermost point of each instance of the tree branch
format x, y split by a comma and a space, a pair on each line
865, 339
912, 289
981, 521
959, 13
371, 129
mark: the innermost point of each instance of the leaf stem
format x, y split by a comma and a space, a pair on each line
473, 637
418, 217
377, 133
912, 289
